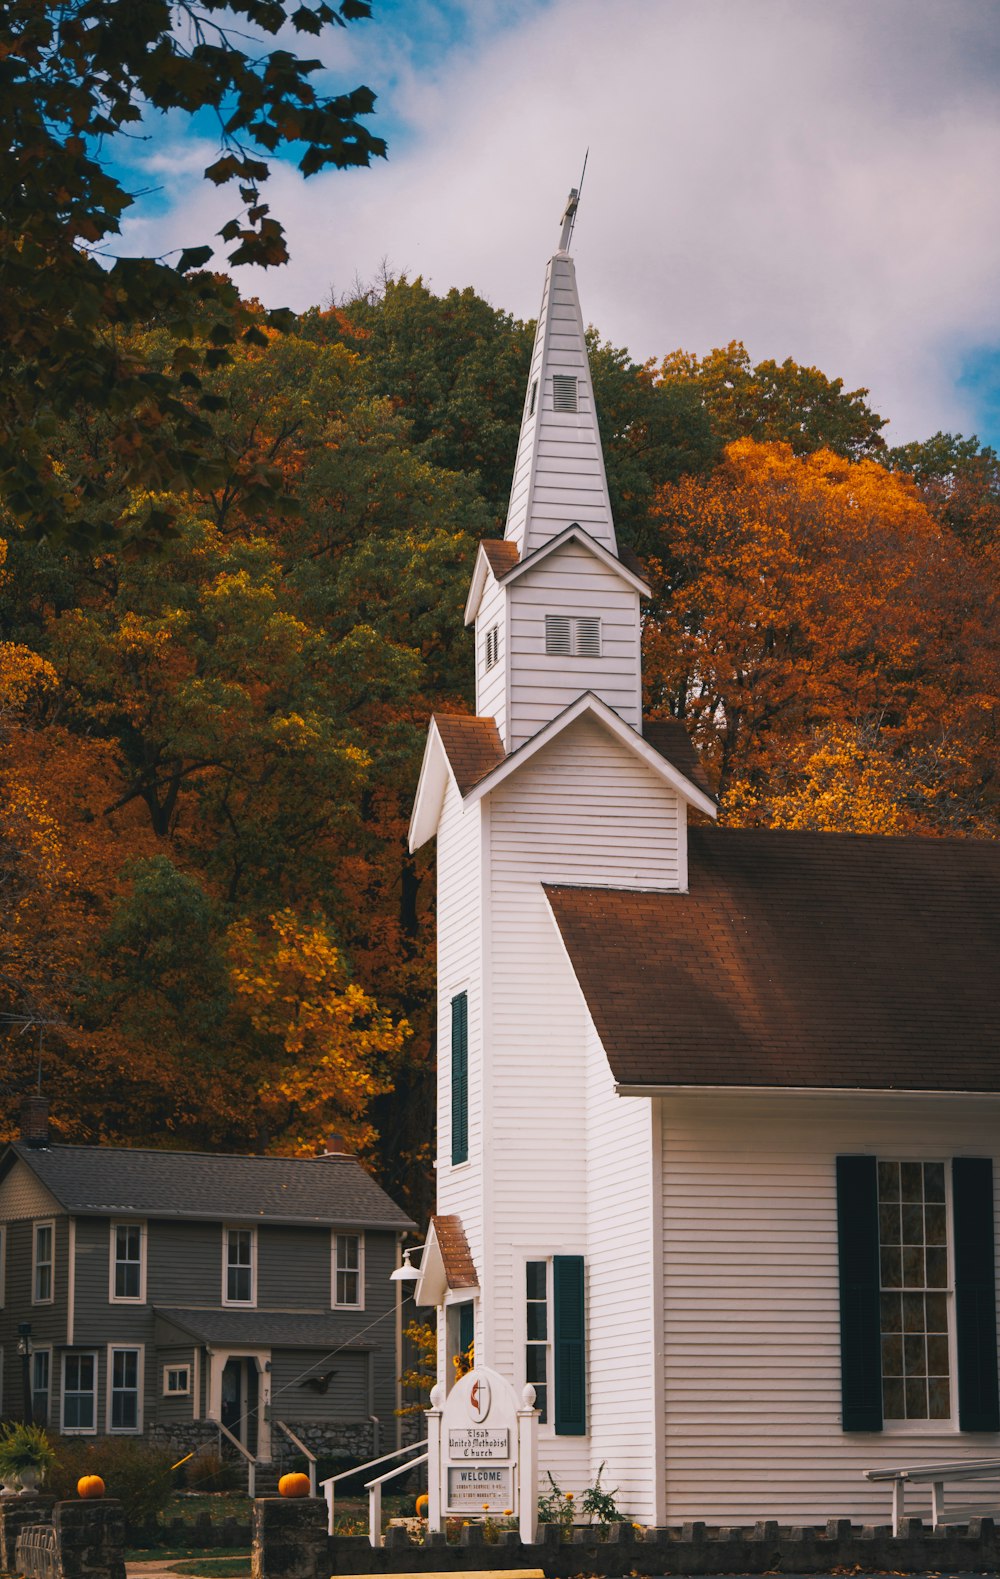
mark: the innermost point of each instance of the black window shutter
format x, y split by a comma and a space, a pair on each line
975, 1294
460, 1078
860, 1339
568, 1330
466, 1326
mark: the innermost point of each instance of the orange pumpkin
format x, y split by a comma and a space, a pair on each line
90, 1486
421, 1505
294, 1485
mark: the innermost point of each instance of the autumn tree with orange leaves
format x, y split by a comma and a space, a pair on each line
829, 643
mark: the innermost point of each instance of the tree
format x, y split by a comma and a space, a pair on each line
72, 77
805, 603
959, 481
784, 403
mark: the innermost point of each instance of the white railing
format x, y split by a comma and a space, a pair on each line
307, 1453
326, 1486
937, 1474
251, 1461
374, 1490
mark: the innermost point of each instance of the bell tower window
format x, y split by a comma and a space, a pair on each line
573, 635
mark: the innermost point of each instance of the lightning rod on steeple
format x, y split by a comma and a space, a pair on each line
572, 203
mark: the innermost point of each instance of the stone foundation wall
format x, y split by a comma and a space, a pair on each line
290, 1542
183, 1438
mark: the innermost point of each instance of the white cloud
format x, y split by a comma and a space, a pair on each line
816, 179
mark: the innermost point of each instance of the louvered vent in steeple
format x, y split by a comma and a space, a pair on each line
564, 390
573, 635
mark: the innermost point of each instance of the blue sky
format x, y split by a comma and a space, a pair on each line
814, 177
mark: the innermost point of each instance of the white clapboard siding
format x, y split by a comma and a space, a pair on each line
570, 580
459, 877
491, 684
621, 1311
559, 473
751, 1302
583, 810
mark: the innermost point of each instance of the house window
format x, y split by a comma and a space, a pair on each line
124, 1371
573, 635
564, 388
176, 1381
460, 1078
914, 1294
492, 645
127, 1263
79, 1392
41, 1370
42, 1263
239, 1266
538, 1349
348, 1270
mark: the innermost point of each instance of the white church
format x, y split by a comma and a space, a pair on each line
717, 1108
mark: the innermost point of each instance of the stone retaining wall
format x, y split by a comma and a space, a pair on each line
63, 1540
290, 1542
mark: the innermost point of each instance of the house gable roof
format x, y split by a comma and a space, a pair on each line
508, 567
119, 1181
798, 960
287, 1329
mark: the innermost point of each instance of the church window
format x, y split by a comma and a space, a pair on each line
917, 1293
554, 1360
914, 1291
573, 635
492, 645
564, 390
460, 1078
533, 398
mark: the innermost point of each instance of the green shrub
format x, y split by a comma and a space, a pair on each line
209, 1471
134, 1472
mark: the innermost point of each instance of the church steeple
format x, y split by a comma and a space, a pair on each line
559, 475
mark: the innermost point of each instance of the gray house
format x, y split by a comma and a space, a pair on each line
163, 1293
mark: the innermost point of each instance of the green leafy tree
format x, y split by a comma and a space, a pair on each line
959, 481
72, 78
772, 402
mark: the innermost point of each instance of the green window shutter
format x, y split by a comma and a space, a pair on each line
860, 1338
466, 1326
460, 1078
568, 1343
975, 1294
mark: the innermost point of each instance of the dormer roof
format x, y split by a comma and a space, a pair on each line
559, 474
446, 1263
509, 567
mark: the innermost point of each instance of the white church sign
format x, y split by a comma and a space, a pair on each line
482, 1447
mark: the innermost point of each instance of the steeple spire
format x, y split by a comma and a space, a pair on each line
559, 475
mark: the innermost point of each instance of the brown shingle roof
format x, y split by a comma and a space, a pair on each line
669, 737
502, 555
459, 1267
799, 959
473, 745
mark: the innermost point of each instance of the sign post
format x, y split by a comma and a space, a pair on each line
482, 1452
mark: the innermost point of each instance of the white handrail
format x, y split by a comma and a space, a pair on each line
374, 1490
937, 1474
309, 1454
251, 1461
327, 1485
